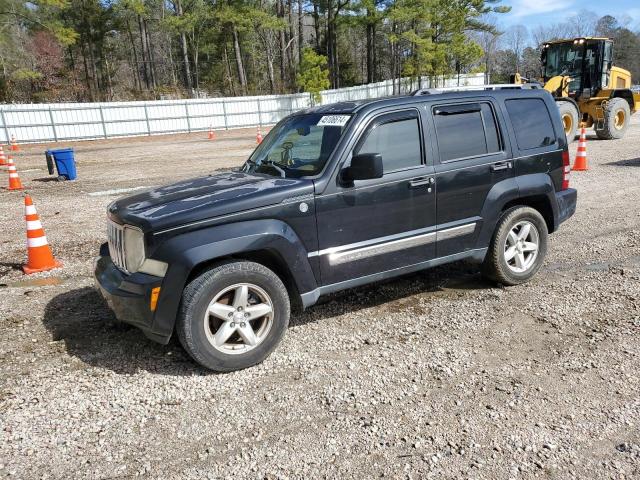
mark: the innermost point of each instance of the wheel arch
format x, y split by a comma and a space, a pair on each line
539, 203
266, 257
533, 190
272, 243
625, 94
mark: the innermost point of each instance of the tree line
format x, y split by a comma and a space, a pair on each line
104, 50
89, 50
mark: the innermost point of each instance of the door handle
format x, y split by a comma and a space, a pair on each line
420, 181
500, 166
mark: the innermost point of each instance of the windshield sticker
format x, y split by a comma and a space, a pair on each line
333, 120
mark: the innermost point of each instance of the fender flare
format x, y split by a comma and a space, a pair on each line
525, 186
500, 194
185, 252
540, 185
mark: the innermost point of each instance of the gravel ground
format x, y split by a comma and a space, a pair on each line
434, 375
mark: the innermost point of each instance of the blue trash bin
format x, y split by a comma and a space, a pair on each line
65, 162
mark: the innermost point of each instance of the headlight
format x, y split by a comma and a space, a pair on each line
126, 248
133, 248
153, 267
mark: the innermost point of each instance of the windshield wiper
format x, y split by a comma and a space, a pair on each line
248, 162
277, 166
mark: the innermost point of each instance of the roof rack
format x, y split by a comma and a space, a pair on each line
495, 86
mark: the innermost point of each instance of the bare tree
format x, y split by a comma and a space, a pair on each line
516, 39
547, 33
488, 40
583, 24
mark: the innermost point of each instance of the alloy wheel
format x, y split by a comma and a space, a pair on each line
521, 246
239, 318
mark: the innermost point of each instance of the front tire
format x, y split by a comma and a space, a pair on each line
233, 316
616, 119
570, 118
517, 248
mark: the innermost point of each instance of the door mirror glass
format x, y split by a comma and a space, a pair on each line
364, 166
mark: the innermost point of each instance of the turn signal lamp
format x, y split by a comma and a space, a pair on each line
153, 303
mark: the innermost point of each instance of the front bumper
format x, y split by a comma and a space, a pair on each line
567, 200
129, 296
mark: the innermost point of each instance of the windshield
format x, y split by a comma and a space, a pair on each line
569, 59
564, 59
576, 60
298, 146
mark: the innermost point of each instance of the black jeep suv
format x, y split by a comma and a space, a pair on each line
338, 196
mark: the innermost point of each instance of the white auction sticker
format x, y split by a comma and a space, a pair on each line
334, 120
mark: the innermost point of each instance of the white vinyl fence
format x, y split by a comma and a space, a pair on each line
54, 122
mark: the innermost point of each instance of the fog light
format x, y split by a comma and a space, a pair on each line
155, 293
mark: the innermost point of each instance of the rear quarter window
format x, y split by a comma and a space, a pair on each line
531, 122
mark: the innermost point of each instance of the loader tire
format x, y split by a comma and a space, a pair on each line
570, 118
616, 119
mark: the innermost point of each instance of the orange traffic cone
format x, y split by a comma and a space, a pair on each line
39, 253
3, 159
259, 137
14, 179
212, 135
580, 164
14, 144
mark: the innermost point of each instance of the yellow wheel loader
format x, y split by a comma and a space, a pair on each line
588, 89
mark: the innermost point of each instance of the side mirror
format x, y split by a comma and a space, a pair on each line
364, 166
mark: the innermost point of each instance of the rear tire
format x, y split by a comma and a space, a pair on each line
511, 258
570, 118
233, 316
616, 119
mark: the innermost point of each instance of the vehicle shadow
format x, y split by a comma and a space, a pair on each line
631, 162
46, 179
83, 321
91, 333
453, 277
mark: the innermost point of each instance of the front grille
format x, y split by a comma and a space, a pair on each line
115, 234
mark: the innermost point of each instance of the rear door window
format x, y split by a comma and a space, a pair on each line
531, 122
466, 130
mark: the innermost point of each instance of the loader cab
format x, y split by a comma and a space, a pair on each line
586, 61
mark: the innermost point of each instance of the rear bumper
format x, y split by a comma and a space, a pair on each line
567, 200
129, 296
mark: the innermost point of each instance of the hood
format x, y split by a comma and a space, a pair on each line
203, 198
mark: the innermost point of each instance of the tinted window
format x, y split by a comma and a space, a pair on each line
531, 122
398, 142
466, 130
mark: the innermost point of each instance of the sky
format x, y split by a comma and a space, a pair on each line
536, 12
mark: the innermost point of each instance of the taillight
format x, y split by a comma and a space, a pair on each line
566, 170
